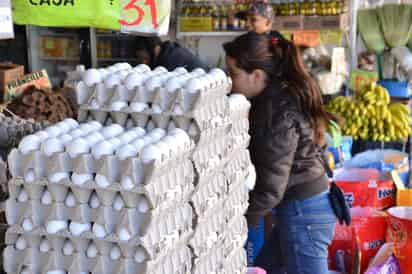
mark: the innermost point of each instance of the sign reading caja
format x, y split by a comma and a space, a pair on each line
137, 16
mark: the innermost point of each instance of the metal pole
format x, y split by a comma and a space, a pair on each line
353, 32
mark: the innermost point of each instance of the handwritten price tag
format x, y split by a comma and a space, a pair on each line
145, 16
360, 78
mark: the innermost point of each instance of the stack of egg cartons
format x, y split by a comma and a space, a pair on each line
196, 103
240, 177
71, 211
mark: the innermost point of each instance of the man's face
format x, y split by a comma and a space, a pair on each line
259, 24
143, 57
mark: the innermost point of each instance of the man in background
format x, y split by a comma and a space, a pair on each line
153, 52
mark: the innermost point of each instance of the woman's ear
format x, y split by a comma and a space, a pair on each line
259, 76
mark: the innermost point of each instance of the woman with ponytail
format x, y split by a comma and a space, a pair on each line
287, 126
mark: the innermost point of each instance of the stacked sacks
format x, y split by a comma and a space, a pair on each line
69, 211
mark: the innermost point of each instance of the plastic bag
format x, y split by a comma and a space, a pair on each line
391, 266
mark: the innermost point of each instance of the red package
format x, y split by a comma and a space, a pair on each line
366, 188
367, 234
400, 234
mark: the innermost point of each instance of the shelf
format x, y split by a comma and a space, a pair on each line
116, 60
60, 59
211, 34
57, 34
115, 35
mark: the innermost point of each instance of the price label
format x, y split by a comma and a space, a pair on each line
309, 38
360, 78
145, 16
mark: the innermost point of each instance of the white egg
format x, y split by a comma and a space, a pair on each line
29, 176
198, 71
172, 143
57, 177
56, 272
122, 74
77, 147
80, 179
103, 73
112, 131
77, 133
46, 198
143, 68
134, 80
143, 205
21, 243
44, 246
158, 132
173, 84
126, 151
27, 224
138, 106
99, 231
77, 229
71, 122
94, 138
23, 196
160, 69
151, 153
124, 235
52, 146
43, 135
139, 131
218, 71
68, 248
54, 227
102, 181
94, 201
64, 127
29, 143
127, 183
86, 128
194, 85
95, 125
140, 256
92, 77
139, 144
164, 148
70, 200
156, 109
127, 137
112, 81
65, 138
116, 142
91, 251
115, 253
118, 203
153, 83
180, 70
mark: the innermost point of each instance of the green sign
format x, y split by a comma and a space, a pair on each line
360, 78
68, 13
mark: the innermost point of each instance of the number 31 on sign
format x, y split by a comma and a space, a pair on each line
145, 16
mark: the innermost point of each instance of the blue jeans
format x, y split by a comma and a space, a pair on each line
300, 238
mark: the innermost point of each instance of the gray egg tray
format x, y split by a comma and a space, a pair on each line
210, 262
37, 262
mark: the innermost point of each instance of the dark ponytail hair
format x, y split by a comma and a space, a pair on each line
280, 59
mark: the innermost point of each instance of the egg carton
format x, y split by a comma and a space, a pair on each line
127, 249
239, 126
239, 106
236, 234
208, 231
208, 194
237, 202
101, 96
33, 261
42, 166
102, 222
210, 262
238, 142
127, 224
236, 262
152, 196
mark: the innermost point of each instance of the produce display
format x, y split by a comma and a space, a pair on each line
152, 178
370, 115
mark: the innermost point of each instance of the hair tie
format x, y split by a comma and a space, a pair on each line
275, 41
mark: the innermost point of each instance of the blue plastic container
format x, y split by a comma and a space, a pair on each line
255, 241
396, 88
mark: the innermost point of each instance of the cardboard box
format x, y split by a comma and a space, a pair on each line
196, 24
16, 87
8, 73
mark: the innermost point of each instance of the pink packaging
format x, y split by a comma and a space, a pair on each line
255, 270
